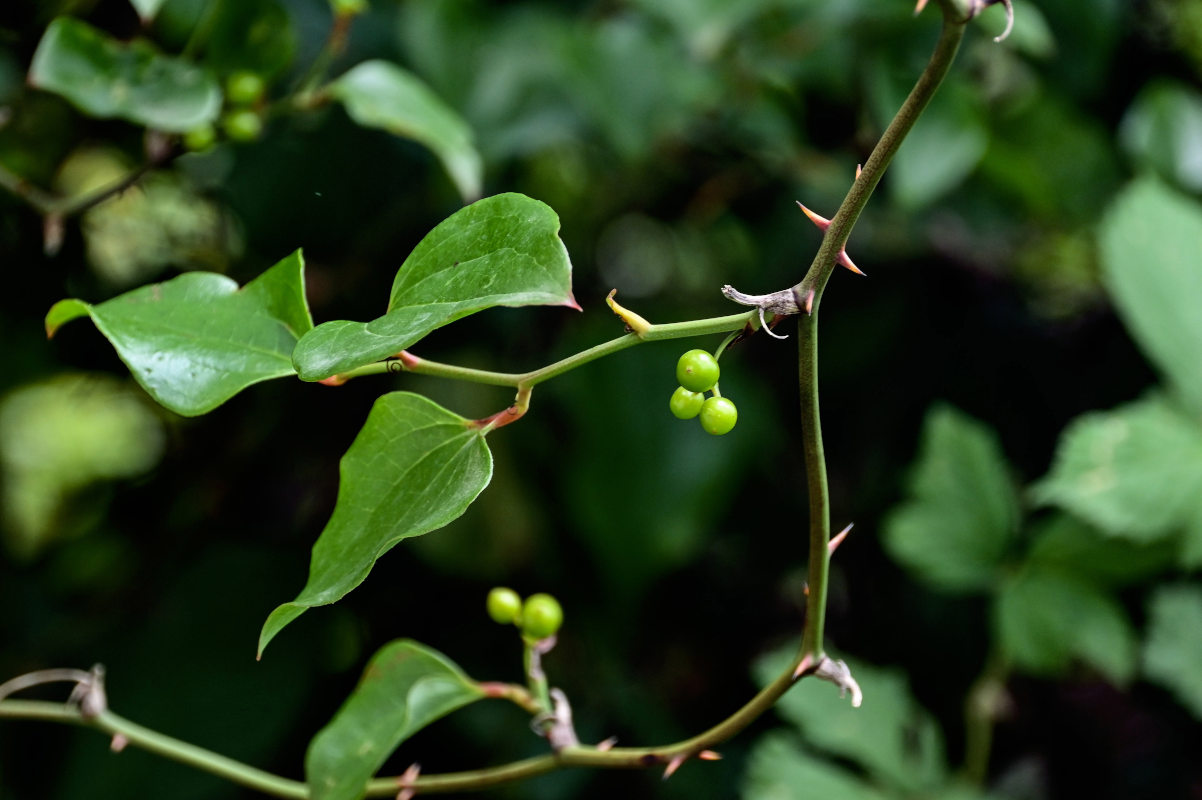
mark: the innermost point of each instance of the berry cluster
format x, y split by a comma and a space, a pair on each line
539, 617
243, 117
697, 372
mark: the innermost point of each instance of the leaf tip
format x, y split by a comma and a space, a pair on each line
63, 312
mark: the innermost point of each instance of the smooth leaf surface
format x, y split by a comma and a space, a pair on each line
1134, 472
890, 736
962, 513
405, 687
195, 341
499, 251
1044, 619
1066, 544
1150, 241
379, 94
1173, 651
779, 768
106, 78
413, 468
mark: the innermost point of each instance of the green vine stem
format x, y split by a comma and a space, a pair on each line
809, 659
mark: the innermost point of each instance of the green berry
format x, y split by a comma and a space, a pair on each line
541, 616
718, 415
504, 605
244, 88
685, 404
199, 139
242, 125
697, 371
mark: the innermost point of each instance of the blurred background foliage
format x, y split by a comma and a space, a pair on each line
1024, 609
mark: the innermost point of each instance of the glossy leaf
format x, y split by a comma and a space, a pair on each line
106, 78
890, 736
413, 468
1173, 651
500, 251
962, 513
1044, 620
405, 687
1134, 472
195, 341
1150, 241
379, 94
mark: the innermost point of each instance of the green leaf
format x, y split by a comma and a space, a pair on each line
962, 512
147, 8
779, 768
1066, 544
405, 687
1044, 619
379, 94
413, 468
106, 78
499, 251
195, 341
1150, 240
1173, 650
890, 736
1134, 472
1161, 130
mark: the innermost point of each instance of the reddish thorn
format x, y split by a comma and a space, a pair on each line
822, 222
859, 169
838, 538
608, 744
803, 667
709, 755
333, 380
921, 5
407, 781
805, 589
674, 765
844, 259
118, 743
809, 302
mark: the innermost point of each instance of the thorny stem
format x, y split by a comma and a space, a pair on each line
633, 757
51, 205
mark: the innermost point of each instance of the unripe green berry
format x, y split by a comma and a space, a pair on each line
697, 371
718, 415
242, 125
541, 616
504, 605
244, 88
685, 404
199, 139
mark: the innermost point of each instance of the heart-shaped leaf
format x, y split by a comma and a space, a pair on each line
379, 94
500, 251
195, 341
106, 78
413, 468
405, 687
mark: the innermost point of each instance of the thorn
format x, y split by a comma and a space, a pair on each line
674, 765
921, 5
118, 743
822, 222
709, 755
808, 305
844, 259
804, 666
805, 589
838, 538
407, 781
859, 170
608, 744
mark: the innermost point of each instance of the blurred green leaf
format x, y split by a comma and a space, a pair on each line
1161, 130
1068, 545
1150, 241
962, 513
413, 468
405, 687
1173, 651
1134, 472
147, 8
254, 35
779, 768
195, 341
1043, 620
890, 736
106, 78
379, 94
499, 251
